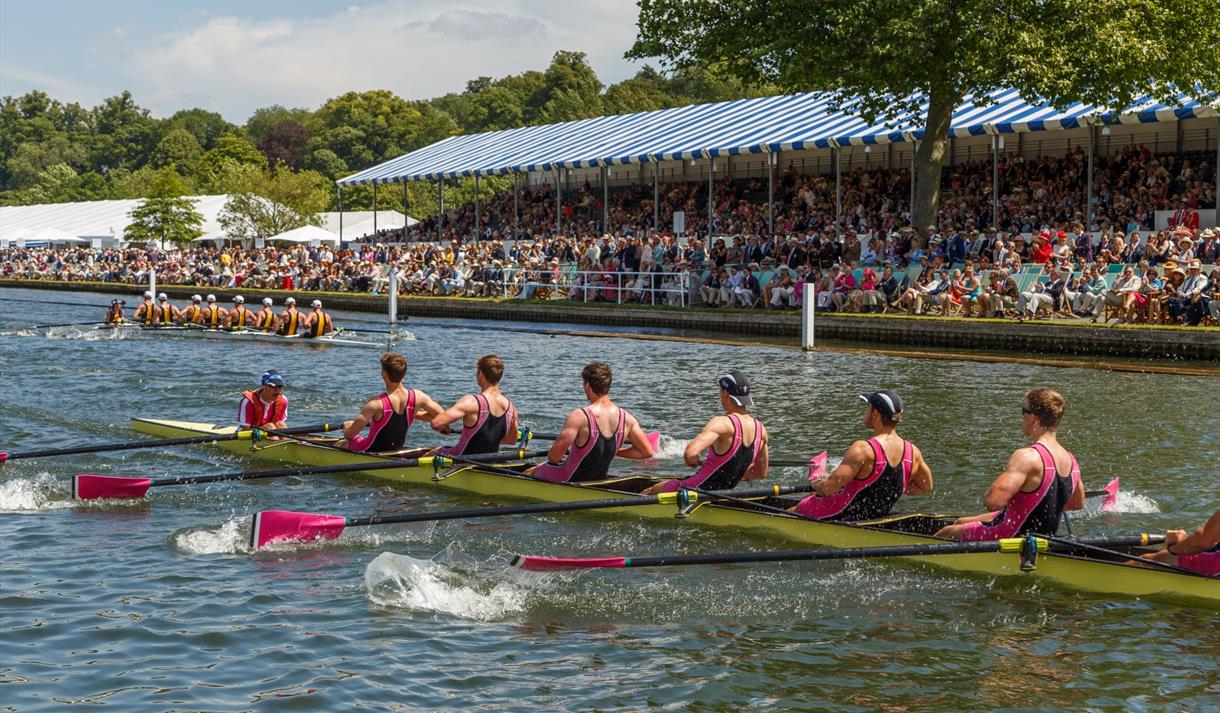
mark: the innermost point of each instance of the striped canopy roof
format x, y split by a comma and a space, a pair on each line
767, 124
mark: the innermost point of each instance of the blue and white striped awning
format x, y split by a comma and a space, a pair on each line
746, 126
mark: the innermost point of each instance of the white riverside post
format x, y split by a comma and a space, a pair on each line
808, 299
152, 281
393, 297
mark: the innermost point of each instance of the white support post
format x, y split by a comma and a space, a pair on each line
808, 302
152, 281
393, 297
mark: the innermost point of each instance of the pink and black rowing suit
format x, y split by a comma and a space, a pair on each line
1038, 512
869, 498
485, 435
723, 471
1206, 562
590, 461
389, 432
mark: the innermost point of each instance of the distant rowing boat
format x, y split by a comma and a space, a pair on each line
1077, 569
243, 335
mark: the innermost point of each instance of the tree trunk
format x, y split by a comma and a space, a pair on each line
930, 159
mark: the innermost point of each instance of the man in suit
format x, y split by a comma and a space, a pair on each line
1189, 305
748, 289
1185, 217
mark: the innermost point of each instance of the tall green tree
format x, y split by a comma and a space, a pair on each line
281, 201
167, 215
877, 57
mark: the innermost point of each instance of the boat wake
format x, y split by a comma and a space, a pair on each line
231, 537
1127, 501
402, 582
41, 492
86, 334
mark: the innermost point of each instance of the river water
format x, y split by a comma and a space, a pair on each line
158, 605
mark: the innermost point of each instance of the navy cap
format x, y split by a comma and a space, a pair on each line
273, 378
738, 388
885, 402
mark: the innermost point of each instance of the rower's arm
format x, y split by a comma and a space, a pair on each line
567, 436
858, 458
512, 431
711, 433
458, 412
921, 474
1201, 540
1023, 463
425, 408
641, 448
762, 464
1076, 501
367, 415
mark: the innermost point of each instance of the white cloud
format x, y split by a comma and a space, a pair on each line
417, 49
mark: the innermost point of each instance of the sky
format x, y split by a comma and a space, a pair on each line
233, 57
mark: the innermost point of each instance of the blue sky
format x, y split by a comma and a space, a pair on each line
234, 57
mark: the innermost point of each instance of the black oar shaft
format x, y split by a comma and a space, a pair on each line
604, 503
133, 445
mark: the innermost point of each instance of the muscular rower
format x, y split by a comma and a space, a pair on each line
1198, 551
318, 322
488, 418
212, 316
290, 319
735, 443
875, 472
167, 313
239, 317
267, 407
1038, 484
390, 414
264, 320
114, 315
593, 435
146, 313
193, 313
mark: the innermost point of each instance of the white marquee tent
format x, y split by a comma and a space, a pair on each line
306, 234
107, 220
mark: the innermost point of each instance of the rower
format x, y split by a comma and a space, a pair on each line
318, 322
1038, 484
874, 473
581, 452
115, 314
736, 444
239, 316
213, 315
267, 407
291, 317
264, 321
389, 414
488, 418
167, 313
146, 313
1199, 551
192, 314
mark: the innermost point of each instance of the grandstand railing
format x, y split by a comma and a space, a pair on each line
672, 288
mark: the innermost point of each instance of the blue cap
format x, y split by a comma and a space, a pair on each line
273, 378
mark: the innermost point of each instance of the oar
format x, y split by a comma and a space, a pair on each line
131, 445
53, 302
1014, 544
288, 526
66, 324
91, 487
1110, 491
526, 435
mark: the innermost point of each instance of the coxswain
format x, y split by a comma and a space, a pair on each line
593, 435
115, 314
193, 313
735, 444
167, 313
874, 473
1040, 481
389, 414
318, 322
267, 407
1198, 551
291, 318
264, 321
146, 313
239, 316
213, 315
488, 418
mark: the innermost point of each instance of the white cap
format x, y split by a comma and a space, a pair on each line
238, 299
196, 298
316, 304
147, 295
267, 301
290, 301
211, 298
162, 297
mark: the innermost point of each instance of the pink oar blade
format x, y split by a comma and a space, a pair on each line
288, 526
546, 564
654, 439
817, 466
92, 487
1111, 495
3, 456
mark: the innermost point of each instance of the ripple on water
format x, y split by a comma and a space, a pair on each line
402, 582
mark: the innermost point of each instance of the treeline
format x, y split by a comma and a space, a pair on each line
54, 152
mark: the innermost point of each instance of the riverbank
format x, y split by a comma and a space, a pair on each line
1039, 338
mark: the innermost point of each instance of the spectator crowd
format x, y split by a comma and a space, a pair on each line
1038, 261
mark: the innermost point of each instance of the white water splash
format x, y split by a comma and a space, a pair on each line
42, 492
669, 447
1132, 502
232, 537
399, 581
90, 335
